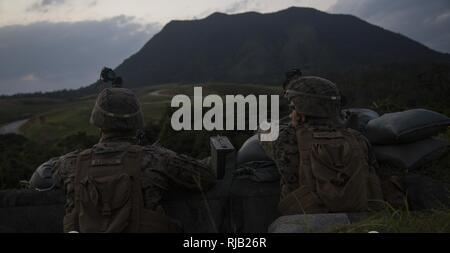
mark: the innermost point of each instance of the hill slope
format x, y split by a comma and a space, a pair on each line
258, 48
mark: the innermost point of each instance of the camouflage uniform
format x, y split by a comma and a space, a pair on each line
107, 169
284, 152
161, 169
318, 101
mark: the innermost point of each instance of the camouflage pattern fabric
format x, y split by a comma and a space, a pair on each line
314, 97
161, 169
117, 109
284, 152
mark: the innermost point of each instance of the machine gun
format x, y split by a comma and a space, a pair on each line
290, 75
109, 77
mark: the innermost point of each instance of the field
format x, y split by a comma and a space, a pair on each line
58, 126
53, 119
12, 109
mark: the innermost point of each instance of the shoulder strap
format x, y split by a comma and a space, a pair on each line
304, 142
133, 160
83, 163
132, 163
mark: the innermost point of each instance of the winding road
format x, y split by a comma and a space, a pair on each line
13, 127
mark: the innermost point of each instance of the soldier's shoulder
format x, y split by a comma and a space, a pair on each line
356, 133
68, 160
71, 155
65, 165
156, 149
153, 153
286, 135
363, 141
351, 131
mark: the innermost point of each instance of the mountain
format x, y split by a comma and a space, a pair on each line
372, 66
258, 48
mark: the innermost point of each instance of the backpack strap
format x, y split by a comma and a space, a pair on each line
132, 163
305, 139
142, 220
82, 163
303, 199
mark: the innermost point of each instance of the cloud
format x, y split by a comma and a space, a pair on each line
270, 5
29, 78
51, 56
45, 5
425, 21
238, 6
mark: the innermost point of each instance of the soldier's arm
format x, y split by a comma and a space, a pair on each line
269, 147
285, 152
284, 148
182, 170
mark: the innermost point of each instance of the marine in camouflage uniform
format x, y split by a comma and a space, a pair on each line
118, 114
315, 106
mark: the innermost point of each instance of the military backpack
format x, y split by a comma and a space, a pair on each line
108, 195
334, 174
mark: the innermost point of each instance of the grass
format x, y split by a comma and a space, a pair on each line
401, 221
17, 109
406, 221
54, 119
59, 122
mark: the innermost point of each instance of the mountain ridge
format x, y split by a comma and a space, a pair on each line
255, 47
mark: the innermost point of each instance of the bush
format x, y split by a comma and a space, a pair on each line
19, 158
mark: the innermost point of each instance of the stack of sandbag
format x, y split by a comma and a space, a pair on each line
253, 163
405, 139
357, 118
251, 151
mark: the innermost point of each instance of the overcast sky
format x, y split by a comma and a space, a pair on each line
55, 44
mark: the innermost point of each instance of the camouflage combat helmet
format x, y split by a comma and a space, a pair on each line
117, 109
314, 96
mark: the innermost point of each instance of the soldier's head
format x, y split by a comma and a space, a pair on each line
313, 97
117, 110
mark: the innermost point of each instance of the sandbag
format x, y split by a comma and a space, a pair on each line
406, 127
358, 118
309, 223
260, 171
411, 156
251, 151
425, 193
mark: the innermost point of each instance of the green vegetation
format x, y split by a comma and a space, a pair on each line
61, 122
19, 156
50, 123
19, 159
12, 109
56, 128
402, 221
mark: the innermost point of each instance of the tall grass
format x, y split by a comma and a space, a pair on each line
401, 221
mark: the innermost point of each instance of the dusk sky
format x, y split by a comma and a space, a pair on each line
55, 44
